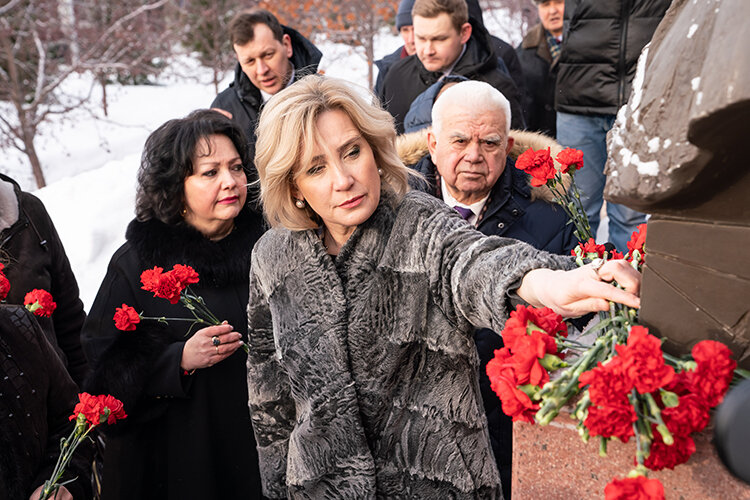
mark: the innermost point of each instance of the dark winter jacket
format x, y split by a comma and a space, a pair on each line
503, 49
514, 210
36, 397
384, 65
419, 115
601, 45
186, 436
243, 99
408, 78
37, 259
363, 367
540, 76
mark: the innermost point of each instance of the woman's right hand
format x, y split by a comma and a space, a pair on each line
200, 351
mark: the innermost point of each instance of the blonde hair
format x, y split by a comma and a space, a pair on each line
287, 132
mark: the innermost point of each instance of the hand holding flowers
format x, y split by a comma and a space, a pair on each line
209, 345
625, 385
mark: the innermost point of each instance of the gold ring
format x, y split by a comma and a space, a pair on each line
217, 349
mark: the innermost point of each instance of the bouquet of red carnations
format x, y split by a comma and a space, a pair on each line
173, 285
625, 385
90, 412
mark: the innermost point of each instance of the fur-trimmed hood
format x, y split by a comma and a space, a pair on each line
413, 146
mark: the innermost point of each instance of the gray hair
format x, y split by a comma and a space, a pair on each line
474, 96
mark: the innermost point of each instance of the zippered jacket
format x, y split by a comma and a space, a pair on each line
601, 45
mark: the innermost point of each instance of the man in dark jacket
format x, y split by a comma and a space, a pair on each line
37, 259
507, 58
469, 168
601, 45
270, 57
447, 43
539, 52
406, 30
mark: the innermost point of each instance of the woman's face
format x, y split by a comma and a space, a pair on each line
341, 184
216, 190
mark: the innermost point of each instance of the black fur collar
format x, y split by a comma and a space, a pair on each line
219, 263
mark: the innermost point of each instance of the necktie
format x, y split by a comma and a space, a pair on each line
464, 212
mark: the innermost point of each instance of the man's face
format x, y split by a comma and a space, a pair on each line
551, 15
437, 42
265, 60
407, 33
470, 150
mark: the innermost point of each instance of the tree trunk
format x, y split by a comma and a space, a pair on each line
216, 81
103, 83
36, 166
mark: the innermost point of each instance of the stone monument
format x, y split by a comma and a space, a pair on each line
678, 152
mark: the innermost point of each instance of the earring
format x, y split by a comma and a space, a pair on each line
300, 203
183, 212
380, 172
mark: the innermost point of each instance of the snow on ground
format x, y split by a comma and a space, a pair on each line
90, 161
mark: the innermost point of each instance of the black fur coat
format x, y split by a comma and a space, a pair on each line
186, 436
363, 370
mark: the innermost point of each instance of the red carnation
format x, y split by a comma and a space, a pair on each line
634, 488
662, 456
614, 254
609, 384
611, 421
515, 326
570, 158
126, 318
4, 285
525, 360
690, 415
710, 379
169, 288
637, 239
150, 279
538, 164
98, 409
515, 403
115, 407
644, 362
40, 302
590, 247
90, 407
549, 321
186, 275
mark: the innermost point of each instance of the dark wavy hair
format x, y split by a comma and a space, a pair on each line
168, 159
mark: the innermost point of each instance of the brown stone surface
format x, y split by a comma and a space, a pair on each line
679, 152
552, 462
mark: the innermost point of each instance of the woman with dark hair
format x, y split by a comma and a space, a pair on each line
188, 432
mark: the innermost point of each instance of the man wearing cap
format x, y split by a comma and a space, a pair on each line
538, 53
447, 42
406, 30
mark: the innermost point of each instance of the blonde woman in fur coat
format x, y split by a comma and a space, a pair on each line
362, 373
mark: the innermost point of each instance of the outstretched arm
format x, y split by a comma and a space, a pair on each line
579, 291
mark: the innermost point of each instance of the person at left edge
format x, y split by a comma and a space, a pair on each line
36, 258
188, 433
270, 57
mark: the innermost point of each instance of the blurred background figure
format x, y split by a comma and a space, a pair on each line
539, 52
601, 44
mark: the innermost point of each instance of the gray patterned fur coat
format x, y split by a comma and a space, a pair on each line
362, 372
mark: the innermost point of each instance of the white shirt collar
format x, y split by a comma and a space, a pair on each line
476, 208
